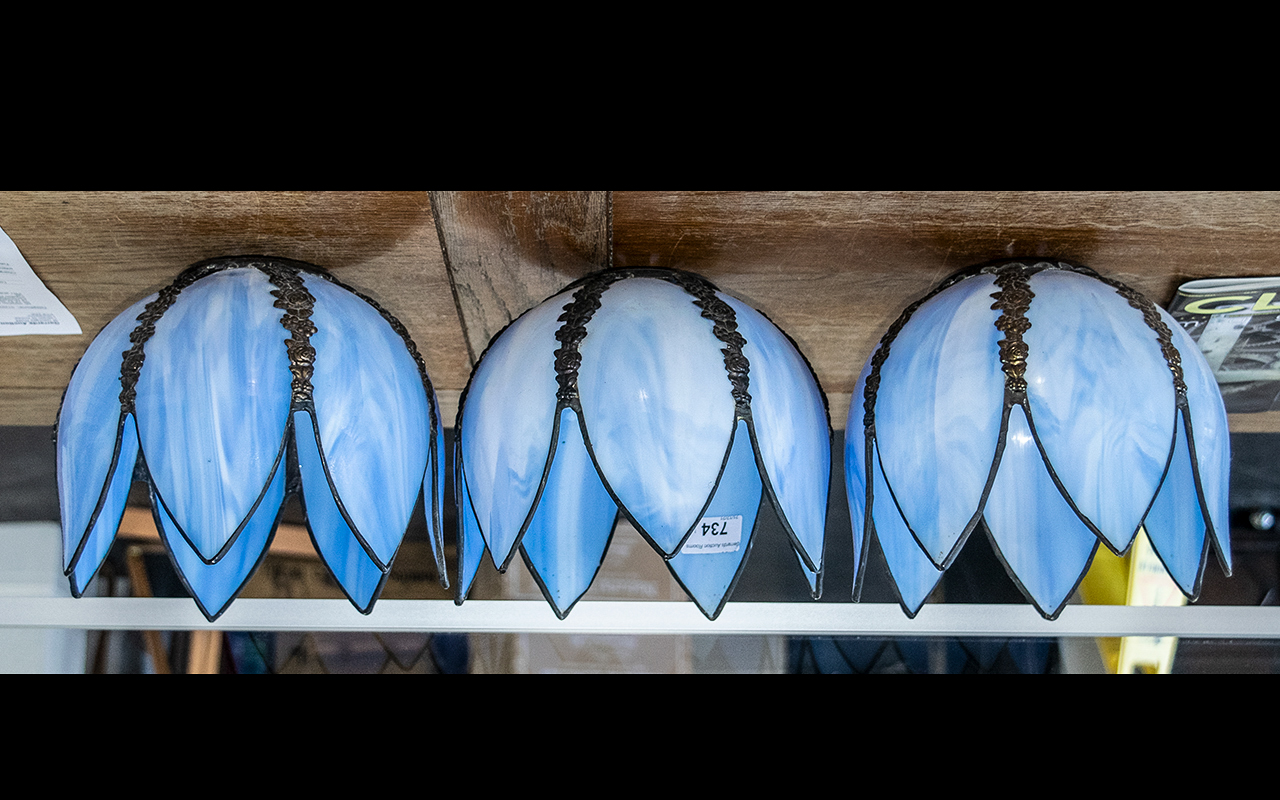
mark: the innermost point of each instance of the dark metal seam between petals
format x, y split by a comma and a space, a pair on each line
886, 342
1013, 300
725, 328
297, 303
1151, 316
577, 313
131, 369
403, 333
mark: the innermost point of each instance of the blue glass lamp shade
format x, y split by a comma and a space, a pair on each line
246, 380
646, 393
1055, 406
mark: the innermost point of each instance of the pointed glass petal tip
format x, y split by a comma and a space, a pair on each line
1058, 406
712, 558
565, 542
666, 399
245, 379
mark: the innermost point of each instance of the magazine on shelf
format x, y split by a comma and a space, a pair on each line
1236, 322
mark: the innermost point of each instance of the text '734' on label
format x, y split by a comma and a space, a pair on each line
714, 535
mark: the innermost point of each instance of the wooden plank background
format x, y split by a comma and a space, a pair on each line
833, 269
101, 251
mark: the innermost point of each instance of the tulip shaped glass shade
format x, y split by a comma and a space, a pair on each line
648, 393
245, 380
1059, 408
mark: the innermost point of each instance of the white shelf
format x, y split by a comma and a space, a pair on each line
622, 617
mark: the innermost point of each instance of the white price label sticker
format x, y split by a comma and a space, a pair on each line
714, 535
26, 305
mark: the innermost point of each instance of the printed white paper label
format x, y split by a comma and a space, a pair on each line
714, 535
26, 305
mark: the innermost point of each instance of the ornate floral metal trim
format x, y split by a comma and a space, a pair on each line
726, 330
577, 313
134, 356
1013, 300
297, 303
291, 296
586, 301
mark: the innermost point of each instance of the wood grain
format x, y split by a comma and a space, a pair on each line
834, 269
101, 251
508, 251
141, 587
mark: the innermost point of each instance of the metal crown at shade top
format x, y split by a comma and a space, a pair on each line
645, 392
245, 380
1054, 406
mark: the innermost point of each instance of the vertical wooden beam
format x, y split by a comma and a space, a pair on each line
142, 588
508, 251
205, 657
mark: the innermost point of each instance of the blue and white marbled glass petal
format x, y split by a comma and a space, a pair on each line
371, 410
433, 491
88, 557
214, 586
1175, 525
708, 577
83, 551
657, 405
937, 415
1209, 436
212, 405
96, 450
1036, 533
360, 577
792, 434
914, 574
566, 540
1101, 398
506, 428
855, 473
471, 545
